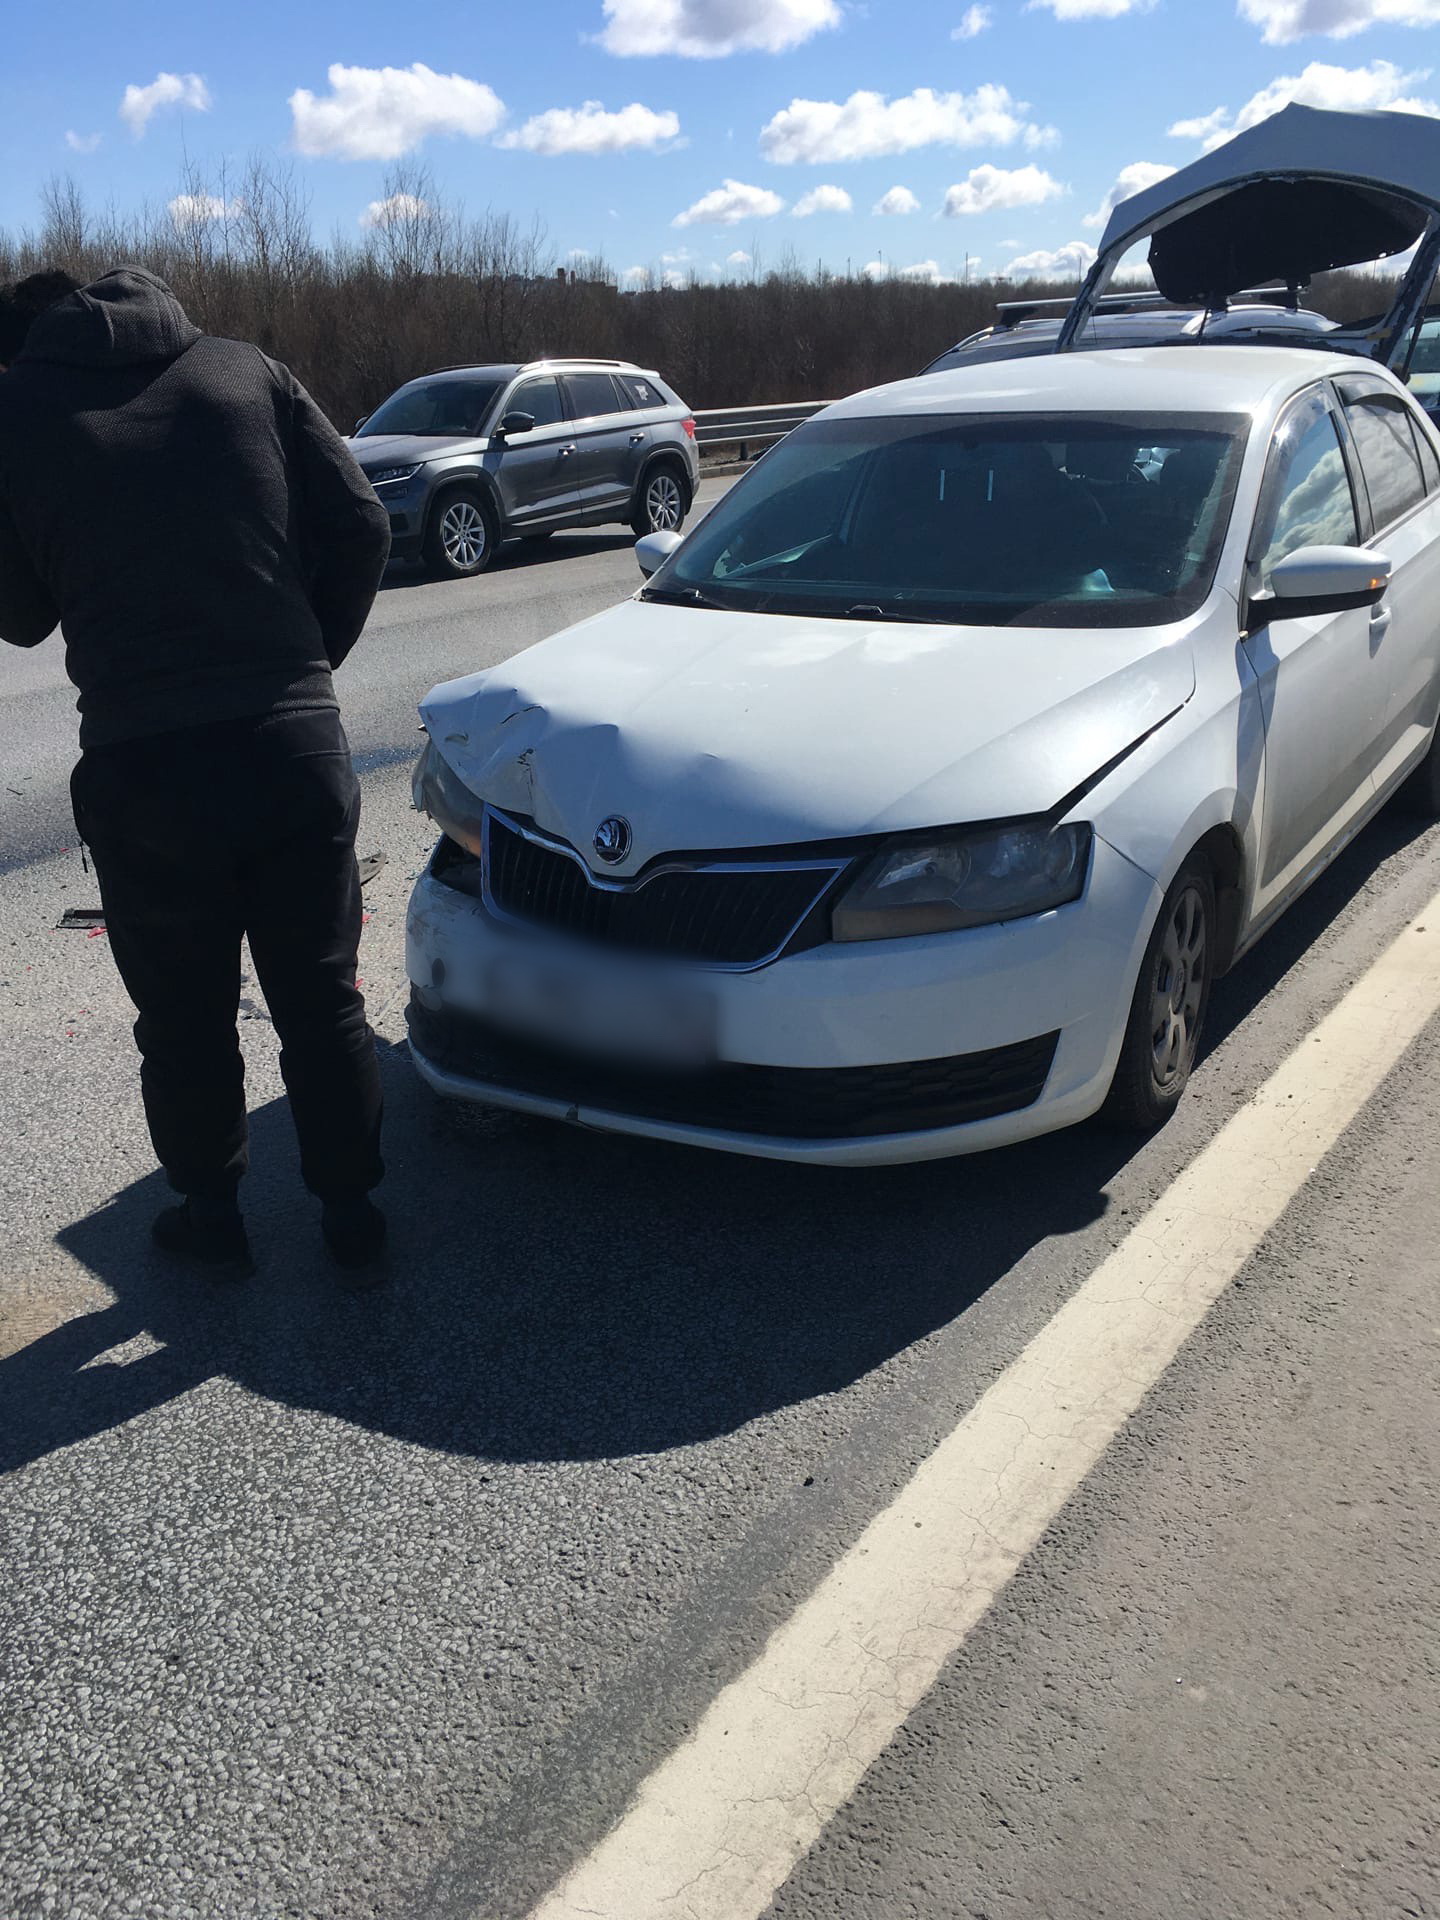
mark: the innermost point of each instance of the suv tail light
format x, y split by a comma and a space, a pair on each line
689, 426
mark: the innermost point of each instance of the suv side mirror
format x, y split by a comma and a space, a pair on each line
652, 550
517, 423
1318, 580
358, 424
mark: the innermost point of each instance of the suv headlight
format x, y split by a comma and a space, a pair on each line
964, 880
383, 476
438, 790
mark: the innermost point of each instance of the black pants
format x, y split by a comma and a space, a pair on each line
200, 837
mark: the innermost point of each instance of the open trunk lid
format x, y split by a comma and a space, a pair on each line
1305, 191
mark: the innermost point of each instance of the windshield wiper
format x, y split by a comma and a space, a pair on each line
683, 597
867, 610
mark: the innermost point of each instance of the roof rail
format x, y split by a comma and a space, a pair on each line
575, 360
1012, 312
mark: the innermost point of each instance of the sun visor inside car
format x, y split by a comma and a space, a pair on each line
1278, 230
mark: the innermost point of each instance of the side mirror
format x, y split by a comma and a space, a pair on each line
517, 423
1319, 580
654, 549
358, 424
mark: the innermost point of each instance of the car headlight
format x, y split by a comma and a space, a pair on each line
438, 790
383, 476
964, 880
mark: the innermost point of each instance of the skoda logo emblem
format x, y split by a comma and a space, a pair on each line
613, 839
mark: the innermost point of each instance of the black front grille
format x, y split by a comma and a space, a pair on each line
728, 917
788, 1103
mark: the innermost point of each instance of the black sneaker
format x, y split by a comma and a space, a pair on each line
215, 1240
354, 1232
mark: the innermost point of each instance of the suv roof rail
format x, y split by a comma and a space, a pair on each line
577, 360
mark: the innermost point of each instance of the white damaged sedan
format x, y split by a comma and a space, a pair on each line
916, 801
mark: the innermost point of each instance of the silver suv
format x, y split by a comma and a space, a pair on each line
469, 457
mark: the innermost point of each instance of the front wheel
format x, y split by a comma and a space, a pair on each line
462, 538
1167, 1014
662, 503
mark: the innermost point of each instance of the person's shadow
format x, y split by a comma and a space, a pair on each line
563, 1295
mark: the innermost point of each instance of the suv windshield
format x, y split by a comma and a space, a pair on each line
981, 520
435, 407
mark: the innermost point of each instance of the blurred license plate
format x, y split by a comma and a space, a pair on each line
620, 1017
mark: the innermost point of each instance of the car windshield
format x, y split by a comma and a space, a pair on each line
434, 407
980, 520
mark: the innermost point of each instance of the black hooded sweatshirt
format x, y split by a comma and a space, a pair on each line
182, 508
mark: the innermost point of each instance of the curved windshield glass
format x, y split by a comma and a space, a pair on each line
435, 406
980, 520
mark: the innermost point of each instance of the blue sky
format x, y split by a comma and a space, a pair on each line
710, 121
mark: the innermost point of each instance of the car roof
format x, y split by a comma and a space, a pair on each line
1114, 380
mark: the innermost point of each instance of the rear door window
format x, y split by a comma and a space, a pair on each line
591, 394
1380, 424
640, 394
540, 398
1306, 500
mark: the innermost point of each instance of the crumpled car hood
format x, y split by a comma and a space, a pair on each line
710, 730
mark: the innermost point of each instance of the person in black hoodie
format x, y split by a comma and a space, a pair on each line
183, 510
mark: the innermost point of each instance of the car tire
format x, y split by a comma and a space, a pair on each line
1167, 1013
1420, 793
663, 500
462, 537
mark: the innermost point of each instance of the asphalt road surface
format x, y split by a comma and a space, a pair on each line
391, 1608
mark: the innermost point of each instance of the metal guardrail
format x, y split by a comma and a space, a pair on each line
747, 427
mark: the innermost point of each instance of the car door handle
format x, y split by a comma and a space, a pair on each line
636, 439
569, 449
1380, 617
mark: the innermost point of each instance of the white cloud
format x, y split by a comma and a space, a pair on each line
823, 200
739, 258
674, 277
83, 142
165, 90
1381, 85
1064, 263
973, 21
897, 200
590, 129
709, 29
1135, 178
635, 276
987, 188
189, 210
1287, 20
728, 205
394, 211
380, 113
1201, 127
927, 271
867, 125
1092, 9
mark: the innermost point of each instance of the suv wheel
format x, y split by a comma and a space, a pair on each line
662, 504
461, 538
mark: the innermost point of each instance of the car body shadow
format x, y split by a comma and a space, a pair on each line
560, 1294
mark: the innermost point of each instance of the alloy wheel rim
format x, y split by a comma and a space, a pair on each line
462, 533
1178, 990
662, 503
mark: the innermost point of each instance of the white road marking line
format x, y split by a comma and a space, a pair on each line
720, 1824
